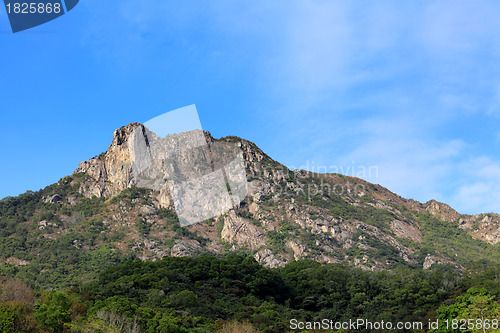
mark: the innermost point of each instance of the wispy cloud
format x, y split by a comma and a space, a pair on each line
387, 85
478, 185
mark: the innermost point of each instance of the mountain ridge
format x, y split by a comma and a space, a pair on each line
438, 209
278, 173
287, 216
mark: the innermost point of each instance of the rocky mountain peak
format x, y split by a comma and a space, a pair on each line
122, 134
290, 215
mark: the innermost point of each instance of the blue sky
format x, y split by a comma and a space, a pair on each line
412, 88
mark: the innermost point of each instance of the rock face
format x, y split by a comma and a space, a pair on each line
55, 198
236, 231
287, 215
112, 171
266, 257
184, 248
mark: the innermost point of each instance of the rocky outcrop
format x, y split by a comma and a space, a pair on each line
267, 258
431, 260
111, 171
241, 233
55, 198
185, 248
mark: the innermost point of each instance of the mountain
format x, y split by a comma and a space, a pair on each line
99, 216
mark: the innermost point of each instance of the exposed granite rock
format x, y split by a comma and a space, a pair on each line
53, 199
267, 258
241, 232
184, 248
17, 262
431, 260
112, 171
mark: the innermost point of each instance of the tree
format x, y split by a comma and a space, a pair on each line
165, 322
472, 310
7, 319
54, 313
481, 307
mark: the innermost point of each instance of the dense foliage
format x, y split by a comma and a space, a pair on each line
207, 294
57, 259
80, 280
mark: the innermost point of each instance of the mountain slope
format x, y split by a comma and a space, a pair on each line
97, 217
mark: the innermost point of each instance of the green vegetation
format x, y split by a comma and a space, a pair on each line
55, 261
143, 227
207, 294
478, 305
78, 256
277, 240
130, 195
448, 239
336, 206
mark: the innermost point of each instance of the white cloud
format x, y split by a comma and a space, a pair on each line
375, 83
479, 197
479, 186
408, 163
384, 83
